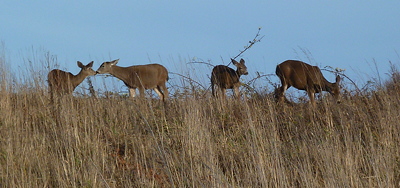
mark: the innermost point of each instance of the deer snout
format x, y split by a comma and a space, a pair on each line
246, 73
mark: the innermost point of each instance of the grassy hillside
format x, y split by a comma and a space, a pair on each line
197, 141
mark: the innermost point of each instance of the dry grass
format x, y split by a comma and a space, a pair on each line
197, 142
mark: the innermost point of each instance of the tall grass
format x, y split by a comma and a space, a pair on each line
197, 141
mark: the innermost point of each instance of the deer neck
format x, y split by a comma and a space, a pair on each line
121, 73
77, 79
327, 85
237, 73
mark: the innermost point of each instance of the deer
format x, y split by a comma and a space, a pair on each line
226, 78
303, 76
143, 77
61, 82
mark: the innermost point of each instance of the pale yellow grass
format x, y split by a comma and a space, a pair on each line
202, 142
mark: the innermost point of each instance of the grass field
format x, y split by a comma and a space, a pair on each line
197, 141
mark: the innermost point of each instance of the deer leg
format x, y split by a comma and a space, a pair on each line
280, 94
284, 88
159, 93
236, 92
164, 90
213, 89
141, 92
311, 95
223, 93
132, 92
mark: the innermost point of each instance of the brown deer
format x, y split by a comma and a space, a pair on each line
61, 82
304, 77
151, 76
227, 78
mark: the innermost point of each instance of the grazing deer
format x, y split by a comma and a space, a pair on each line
151, 76
304, 77
61, 82
227, 78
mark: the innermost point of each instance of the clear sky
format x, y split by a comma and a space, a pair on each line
350, 35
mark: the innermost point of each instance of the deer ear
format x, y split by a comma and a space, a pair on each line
80, 65
90, 64
242, 61
329, 90
337, 79
114, 62
234, 62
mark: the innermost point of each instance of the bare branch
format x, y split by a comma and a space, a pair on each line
256, 39
247, 85
187, 78
201, 62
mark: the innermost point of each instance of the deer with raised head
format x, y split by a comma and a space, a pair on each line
227, 78
304, 77
151, 76
61, 82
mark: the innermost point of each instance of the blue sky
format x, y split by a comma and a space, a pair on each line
350, 35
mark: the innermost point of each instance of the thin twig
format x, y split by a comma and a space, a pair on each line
201, 62
188, 79
247, 85
251, 43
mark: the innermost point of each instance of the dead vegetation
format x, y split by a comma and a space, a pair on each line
198, 141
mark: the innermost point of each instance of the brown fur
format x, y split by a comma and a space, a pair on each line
151, 76
62, 82
304, 77
227, 78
